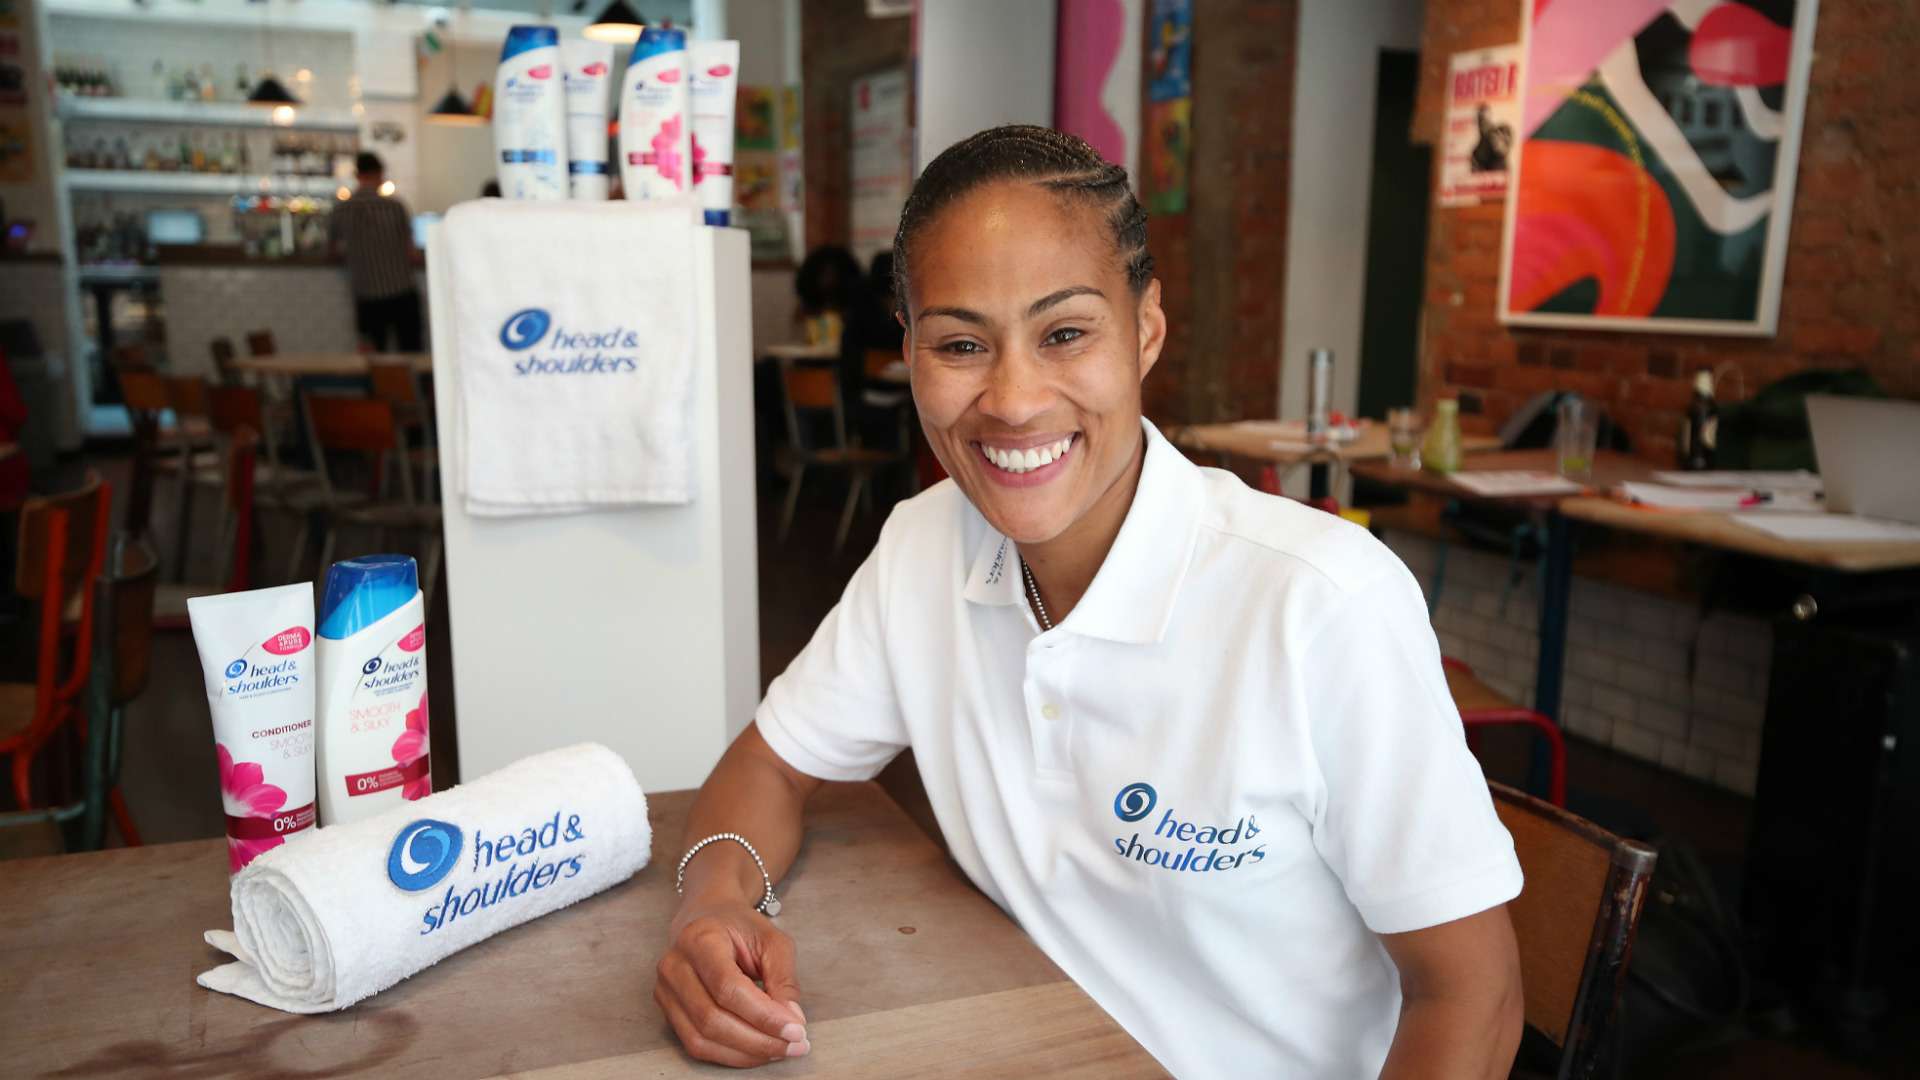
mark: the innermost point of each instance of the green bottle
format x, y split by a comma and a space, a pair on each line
1440, 452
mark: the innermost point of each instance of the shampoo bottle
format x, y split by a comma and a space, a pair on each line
589, 97
715, 74
656, 139
530, 115
372, 689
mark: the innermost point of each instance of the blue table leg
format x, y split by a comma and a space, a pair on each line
1555, 592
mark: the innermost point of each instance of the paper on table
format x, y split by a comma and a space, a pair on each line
1494, 483
1695, 498
1754, 480
1830, 527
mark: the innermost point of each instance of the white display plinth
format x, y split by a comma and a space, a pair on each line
635, 627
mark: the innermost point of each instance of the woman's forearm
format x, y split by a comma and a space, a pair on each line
753, 793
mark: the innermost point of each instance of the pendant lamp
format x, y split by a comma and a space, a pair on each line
617, 23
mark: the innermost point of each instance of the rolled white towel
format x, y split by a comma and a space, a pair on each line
347, 911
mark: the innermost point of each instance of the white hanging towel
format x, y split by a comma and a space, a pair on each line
349, 910
575, 336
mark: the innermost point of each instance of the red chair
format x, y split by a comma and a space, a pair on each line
1481, 706
63, 548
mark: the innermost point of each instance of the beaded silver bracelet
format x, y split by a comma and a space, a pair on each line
769, 904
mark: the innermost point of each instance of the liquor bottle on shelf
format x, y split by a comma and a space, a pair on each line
241, 87
209, 89
185, 162
159, 87
246, 161
199, 153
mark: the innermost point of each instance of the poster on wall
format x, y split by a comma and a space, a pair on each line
1483, 112
881, 152
13, 72
1096, 83
754, 124
1169, 135
16, 147
1653, 173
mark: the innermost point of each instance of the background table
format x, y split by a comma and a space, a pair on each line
330, 363
905, 970
1268, 440
1719, 530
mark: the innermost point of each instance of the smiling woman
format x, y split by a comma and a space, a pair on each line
1022, 275
1301, 873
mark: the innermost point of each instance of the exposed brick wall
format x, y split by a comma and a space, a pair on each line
1852, 292
1222, 263
838, 44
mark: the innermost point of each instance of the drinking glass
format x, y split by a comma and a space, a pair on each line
1575, 438
1403, 438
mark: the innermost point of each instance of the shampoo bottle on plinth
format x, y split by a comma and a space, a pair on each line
372, 700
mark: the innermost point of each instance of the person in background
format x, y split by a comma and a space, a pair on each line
1193, 738
838, 310
374, 233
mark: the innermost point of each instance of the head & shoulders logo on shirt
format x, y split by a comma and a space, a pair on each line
1191, 845
1134, 802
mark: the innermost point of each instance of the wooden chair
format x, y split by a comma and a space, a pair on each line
125, 661
168, 604
122, 661
397, 385
367, 427
276, 485
815, 389
1575, 922
1481, 706
63, 547
221, 350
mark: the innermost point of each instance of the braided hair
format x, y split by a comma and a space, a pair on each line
1055, 160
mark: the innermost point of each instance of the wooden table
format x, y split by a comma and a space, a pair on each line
330, 363
1282, 443
905, 968
1719, 530
800, 350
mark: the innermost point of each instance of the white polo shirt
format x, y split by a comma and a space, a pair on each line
1205, 791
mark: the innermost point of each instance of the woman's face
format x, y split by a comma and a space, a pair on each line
1027, 348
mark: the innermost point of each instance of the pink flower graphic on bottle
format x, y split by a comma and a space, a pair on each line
412, 746
666, 152
246, 794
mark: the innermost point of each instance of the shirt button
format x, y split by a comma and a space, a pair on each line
1051, 712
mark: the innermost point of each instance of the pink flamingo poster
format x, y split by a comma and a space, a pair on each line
1653, 185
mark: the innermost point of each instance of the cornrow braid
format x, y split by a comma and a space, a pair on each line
1054, 160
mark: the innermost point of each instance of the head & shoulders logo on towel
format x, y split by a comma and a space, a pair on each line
1191, 845
548, 348
424, 852
503, 868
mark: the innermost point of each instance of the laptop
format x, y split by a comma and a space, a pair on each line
1866, 448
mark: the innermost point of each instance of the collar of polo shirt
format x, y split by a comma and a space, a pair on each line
1131, 599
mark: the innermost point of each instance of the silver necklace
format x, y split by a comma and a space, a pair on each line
1033, 593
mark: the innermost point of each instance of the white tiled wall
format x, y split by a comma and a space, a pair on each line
1645, 675
308, 309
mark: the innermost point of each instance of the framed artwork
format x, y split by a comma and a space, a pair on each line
1653, 183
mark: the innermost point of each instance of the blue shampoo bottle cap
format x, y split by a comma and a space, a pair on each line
361, 592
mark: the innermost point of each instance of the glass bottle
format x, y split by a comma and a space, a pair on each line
241, 87
209, 89
1440, 452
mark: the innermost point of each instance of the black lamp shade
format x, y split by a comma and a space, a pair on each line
270, 91
617, 23
452, 109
